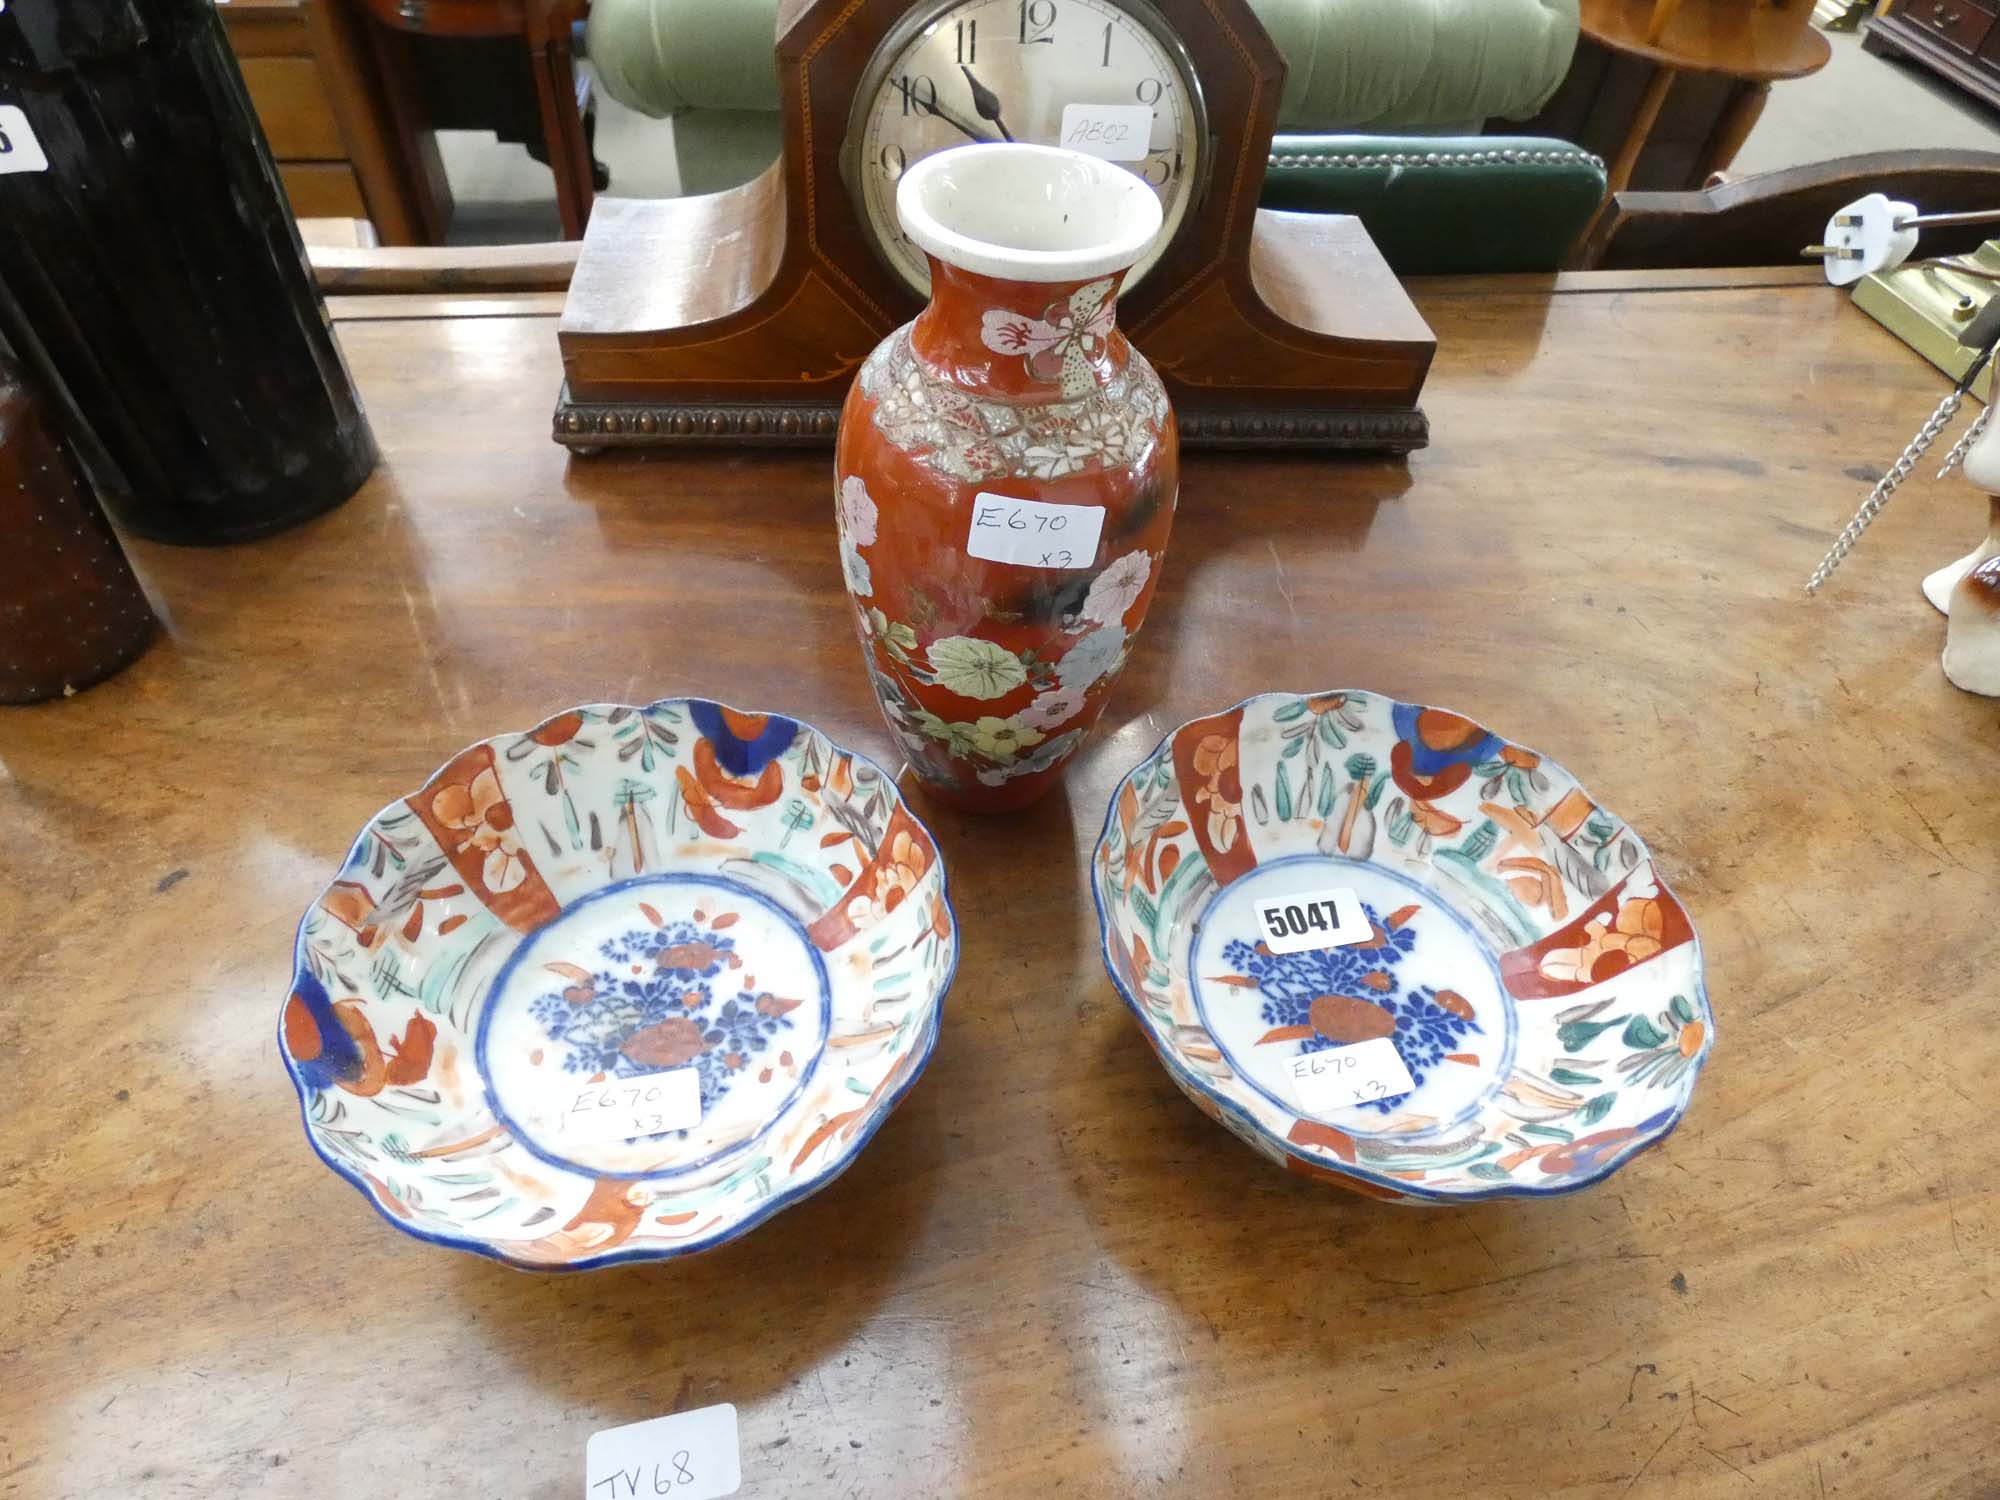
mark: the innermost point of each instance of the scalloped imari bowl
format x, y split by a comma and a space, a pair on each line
1291, 889
620, 987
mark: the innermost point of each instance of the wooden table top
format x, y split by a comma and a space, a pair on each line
1749, 39
1049, 1273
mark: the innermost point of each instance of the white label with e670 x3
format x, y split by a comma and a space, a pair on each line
1033, 533
1336, 1078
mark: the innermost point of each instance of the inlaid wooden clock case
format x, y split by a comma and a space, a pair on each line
742, 316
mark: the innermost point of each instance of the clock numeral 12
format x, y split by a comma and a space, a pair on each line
1038, 19
968, 41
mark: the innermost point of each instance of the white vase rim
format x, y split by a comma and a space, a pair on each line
1027, 213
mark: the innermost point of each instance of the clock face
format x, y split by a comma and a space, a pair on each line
1106, 76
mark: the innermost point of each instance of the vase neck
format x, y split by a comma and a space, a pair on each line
1042, 341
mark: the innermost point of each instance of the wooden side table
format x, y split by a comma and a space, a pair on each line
544, 30
343, 150
1668, 93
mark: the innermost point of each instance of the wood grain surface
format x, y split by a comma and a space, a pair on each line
323, 190
1049, 1274
1759, 220
293, 107
439, 269
1751, 39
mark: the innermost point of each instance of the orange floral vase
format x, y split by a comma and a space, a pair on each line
1006, 472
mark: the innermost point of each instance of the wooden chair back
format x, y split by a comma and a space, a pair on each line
1767, 219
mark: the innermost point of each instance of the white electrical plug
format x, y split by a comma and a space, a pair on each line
1870, 234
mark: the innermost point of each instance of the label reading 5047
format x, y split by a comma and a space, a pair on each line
1312, 919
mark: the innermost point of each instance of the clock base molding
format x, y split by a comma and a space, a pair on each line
1315, 430
589, 426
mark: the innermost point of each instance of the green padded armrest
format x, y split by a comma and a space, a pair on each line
1439, 206
662, 57
1417, 64
1352, 64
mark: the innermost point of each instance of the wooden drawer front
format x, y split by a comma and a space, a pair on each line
266, 28
291, 101
324, 190
1958, 23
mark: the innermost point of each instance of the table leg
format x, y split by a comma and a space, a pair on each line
1641, 130
1589, 244
554, 68
414, 142
1735, 126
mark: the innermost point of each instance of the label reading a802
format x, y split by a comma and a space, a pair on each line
1312, 919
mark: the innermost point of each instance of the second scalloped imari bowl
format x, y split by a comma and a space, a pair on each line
619, 987
1293, 888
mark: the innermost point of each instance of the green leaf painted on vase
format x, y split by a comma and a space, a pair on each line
1289, 712
1573, 1078
1681, 1010
1487, 1171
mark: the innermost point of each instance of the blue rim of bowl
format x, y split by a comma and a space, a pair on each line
486, 1248
1191, 1081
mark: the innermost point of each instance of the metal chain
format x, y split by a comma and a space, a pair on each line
1885, 487
1964, 445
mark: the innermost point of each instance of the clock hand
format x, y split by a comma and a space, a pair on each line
959, 125
986, 102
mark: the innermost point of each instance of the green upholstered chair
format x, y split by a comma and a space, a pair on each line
1402, 86
1466, 204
